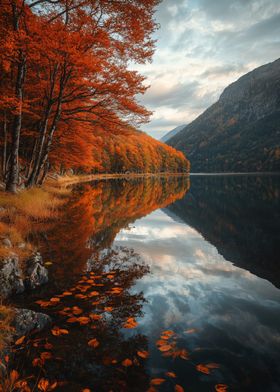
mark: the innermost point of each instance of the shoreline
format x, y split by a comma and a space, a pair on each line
73, 179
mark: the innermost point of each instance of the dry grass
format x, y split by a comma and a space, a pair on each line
25, 209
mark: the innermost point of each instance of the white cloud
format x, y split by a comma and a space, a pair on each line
203, 45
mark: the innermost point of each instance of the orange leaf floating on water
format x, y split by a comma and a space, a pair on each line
160, 342
221, 388
95, 316
171, 374
55, 299
212, 365
67, 293
76, 310
143, 354
72, 320
165, 347
127, 362
110, 276
37, 362
93, 294
86, 390
190, 330
183, 354
44, 304
80, 296
20, 341
108, 309
48, 346
93, 343
59, 331
45, 386
130, 323
168, 333
46, 355
83, 320
178, 388
203, 369
157, 381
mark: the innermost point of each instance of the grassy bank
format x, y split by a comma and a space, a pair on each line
20, 212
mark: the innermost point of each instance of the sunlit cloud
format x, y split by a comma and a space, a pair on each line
203, 46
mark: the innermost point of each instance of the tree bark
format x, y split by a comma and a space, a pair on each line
13, 172
4, 158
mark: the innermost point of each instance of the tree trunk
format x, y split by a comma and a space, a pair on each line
13, 172
4, 158
46, 169
37, 159
28, 166
46, 151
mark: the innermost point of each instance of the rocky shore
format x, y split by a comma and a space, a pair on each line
15, 279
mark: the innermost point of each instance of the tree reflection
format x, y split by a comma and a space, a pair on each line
88, 346
96, 213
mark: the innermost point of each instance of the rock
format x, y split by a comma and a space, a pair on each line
36, 274
7, 243
27, 320
11, 281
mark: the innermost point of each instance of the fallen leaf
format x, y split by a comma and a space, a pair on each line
72, 320
55, 299
212, 365
221, 388
190, 330
164, 348
157, 381
171, 374
93, 343
58, 331
143, 354
178, 388
203, 369
83, 320
126, 362
20, 341
46, 355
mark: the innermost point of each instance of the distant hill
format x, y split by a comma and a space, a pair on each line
240, 132
172, 133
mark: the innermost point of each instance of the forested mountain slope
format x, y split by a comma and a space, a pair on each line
240, 132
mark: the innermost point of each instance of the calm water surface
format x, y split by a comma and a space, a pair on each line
192, 268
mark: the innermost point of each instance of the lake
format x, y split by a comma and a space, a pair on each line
161, 285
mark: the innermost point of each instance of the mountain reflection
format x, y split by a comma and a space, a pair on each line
240, 216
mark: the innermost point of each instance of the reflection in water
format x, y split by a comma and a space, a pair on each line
97, 212
185, 317
240, 216
87, 346
220, 312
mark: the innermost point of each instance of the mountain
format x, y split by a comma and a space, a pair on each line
172, 133
240, 132
240, 216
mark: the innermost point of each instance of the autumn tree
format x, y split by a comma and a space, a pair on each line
69, 62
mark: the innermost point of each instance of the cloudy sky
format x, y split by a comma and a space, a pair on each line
203, 45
